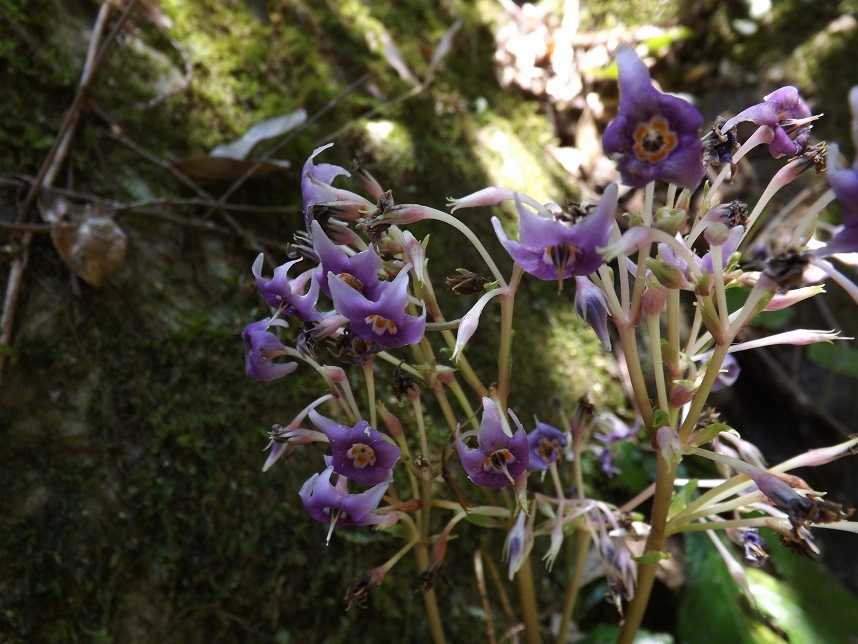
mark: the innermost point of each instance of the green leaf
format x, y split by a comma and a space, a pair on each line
681, 499
807, 602
482, 520
653, 557
712, 609
604, 634
839, 358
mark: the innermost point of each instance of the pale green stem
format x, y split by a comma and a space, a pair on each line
623, 267
384, 355
582, 547
583, 543
640, 280
464, 366
527, 596
369, 378
444, 404
504, 354
350, 411
695, 329
388, 565
718, 508
671, 195
720, 291
438, 215
649, 197
606, 282
464, 403
629, 342
713, 368
673, 314
425, 470
756, 522
433, 615
665, 474
654, 330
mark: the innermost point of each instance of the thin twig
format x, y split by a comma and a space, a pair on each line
53, 162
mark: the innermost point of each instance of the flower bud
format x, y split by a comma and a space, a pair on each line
667, 274
716, 234
653, 299
670, 220
591, 306
391, 422
681, 392
668, 444
491, 196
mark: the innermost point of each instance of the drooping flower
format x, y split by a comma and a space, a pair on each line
654, 136
616, 431
288, 294
317, 188
359, 271
549, 248
844, 183
261, 348
332, 504
545, 443
728, 374
499, 458
383, 321
517, 545
592, 307
752, 544
360, 453
787, 116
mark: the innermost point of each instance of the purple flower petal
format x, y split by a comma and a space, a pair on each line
545, 444
654, 137
498, 458
359, 453
261, 348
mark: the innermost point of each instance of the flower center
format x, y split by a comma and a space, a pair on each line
498, 460
381, 325
547, 448
561, 256
352, 281
361, 455
654, 140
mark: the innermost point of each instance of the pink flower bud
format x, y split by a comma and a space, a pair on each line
391, 422
784, 300
490, 196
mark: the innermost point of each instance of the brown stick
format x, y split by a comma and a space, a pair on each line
52, 164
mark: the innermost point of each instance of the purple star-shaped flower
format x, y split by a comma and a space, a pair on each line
317, 188
654, 136
545, 443
551, 249
360, 453
499, 459
382, 321
327, 503
785, 113
290, 294
261, 347
360, 271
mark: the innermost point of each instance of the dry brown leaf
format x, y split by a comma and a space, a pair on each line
91, 243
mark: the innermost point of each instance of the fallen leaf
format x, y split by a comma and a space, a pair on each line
262, 131
91, 243
225, 169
